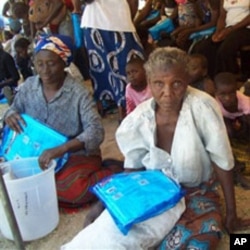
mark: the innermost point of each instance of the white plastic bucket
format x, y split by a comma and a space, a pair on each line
33, 197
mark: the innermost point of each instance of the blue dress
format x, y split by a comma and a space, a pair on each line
109, 52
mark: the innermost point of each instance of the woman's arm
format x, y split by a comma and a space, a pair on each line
221, 23
141, 15
76, 6
226, 181
53, 153
133, 5
242, 24
232, 222
222, 31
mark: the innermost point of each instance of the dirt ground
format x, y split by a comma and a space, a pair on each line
71, 224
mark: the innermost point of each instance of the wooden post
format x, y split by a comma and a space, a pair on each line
4, 197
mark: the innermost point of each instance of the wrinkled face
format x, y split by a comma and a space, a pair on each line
136, 75
227, 96
196, 70
168, 87
49, 66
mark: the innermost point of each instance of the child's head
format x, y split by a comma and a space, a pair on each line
21, 47
7, 35
198, 67
225, 90
136, 75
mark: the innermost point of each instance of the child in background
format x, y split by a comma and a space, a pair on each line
198, 72
23, 59
9, 75
137, 89
235, 108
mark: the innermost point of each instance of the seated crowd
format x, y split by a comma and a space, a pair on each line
172, 69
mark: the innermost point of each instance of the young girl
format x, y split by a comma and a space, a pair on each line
137, 90
198, 72
235, 108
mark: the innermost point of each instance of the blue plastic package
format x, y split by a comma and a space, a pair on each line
153, 14
35, 138
78, 33
165, 25
201, 34
134, 197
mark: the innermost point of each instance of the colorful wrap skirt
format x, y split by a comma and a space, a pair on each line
76, 177
200, 226
108, 53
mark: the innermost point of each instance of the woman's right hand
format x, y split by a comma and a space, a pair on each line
219, 36
94, 212
15, 122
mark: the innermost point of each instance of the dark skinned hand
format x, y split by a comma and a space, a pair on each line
48, 155
15, 122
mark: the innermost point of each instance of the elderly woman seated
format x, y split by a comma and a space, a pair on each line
181, 132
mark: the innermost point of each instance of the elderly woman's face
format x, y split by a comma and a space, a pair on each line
168, 87
49, 66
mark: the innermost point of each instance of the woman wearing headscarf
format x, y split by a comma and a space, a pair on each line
56, 99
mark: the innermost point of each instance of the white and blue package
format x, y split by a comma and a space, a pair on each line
134, 197
35, 138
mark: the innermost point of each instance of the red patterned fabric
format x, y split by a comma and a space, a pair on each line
75, 179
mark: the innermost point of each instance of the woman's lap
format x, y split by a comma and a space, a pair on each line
74, 180
221, 56
200, 225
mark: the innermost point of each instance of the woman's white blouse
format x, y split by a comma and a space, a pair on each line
236, 11
111, 15
200, 138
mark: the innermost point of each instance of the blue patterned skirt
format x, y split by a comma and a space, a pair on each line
108, 54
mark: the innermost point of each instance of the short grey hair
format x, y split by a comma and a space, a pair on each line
165, 58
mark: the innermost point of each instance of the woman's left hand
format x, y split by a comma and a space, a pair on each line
49, 155
221, 35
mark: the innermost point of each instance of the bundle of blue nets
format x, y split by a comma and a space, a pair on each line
134, 197
34, 139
